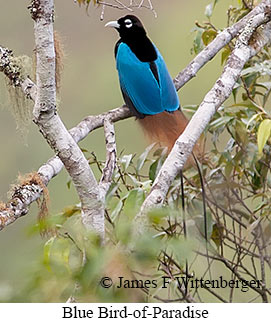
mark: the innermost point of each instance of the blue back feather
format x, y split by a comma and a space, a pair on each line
139, 83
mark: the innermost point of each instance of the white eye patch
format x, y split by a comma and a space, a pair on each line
128, 23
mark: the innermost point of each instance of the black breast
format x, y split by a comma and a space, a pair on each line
142, 47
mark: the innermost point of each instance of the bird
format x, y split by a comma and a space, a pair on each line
146, 85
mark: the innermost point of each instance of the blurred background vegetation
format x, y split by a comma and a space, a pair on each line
89, 86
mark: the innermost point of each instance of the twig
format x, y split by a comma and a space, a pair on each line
257, 233
129, 7
123, 5
111, 156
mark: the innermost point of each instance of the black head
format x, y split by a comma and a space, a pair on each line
134, 35
128, 27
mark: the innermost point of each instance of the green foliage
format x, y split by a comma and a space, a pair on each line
62, 264
207, 31
264, 133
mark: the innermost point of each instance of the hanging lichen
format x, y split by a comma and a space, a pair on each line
18, 69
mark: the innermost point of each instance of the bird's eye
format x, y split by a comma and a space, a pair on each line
128, 23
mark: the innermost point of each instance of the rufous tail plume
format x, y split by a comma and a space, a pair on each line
164, 127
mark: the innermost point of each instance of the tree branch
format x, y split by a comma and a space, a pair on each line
111, 156
212, 101
19, 204
50, 124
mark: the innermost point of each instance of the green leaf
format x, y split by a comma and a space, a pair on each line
258, 176
112, 190
116, 210
47, 252
241, 133
263, 134
71, 210
136, 182
126, 161
142, 158
198, 43
220, 122
225, 54
200, 224
153, 170
133, 202
208, 36
157, 164
228, 169
160, 152
209, 10
69, 183
84, 150
217, 234
157, 215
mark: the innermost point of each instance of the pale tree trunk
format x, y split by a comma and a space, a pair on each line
50, 124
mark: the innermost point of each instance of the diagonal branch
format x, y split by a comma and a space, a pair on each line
213, 100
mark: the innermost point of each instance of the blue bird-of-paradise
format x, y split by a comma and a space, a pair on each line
146, 85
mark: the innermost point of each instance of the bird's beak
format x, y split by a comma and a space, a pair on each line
112, 24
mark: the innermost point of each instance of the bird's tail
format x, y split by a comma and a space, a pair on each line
164, 127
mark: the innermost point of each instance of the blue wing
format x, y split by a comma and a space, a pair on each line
149, 93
